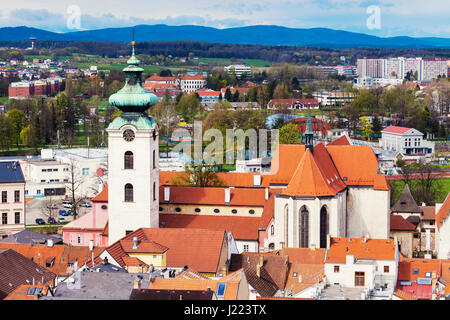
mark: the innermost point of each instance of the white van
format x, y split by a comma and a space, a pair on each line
67, 204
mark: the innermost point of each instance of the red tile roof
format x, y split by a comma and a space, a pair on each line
406, 268
199, 249
342, 141
376, 249
398, 223
429, 212
443, 211
404, 295
21, 293
146, 246
158, 78
214, 196
395, 129
102, 196
314, 177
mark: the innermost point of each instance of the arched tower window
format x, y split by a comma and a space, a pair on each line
286, 225
154, 191
128, 192
128, 160
324, 226
154, 159
304, 227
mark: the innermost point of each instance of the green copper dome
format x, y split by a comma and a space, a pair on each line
133, 97
136, 119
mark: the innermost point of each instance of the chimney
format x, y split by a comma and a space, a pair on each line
105, 260
50, 243
137, 283
91, 245
267, 193
365, 240
166, 194
135, 243
227, 196
259, 266
224, 270
423, 204
313, 247
300, 278
328, 241
256, 180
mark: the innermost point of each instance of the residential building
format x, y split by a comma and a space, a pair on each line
295, 104
30, 292
32, 237
192, 83
12, 205
17, 270
90, 226
333, 98
200, 249
209, 96
408, 141
404, 231
442, 239
238, 69
42, 87
369, 264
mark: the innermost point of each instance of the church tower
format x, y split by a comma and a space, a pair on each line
133, 178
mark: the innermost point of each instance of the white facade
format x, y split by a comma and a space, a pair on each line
238, 69
192, 83
142, 211
409, 142
375, 275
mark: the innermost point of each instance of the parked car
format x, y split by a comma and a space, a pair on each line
67, 204
63, 212
51, 220
40, 221
70, 212
61, 220
86, 204
52, 206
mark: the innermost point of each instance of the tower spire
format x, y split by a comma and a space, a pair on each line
309, 133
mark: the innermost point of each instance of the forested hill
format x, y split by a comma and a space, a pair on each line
257, 35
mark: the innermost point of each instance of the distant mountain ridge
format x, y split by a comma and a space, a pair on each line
258, 35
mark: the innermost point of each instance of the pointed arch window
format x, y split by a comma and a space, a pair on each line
324, 226
128, 192
304, 227
129, 160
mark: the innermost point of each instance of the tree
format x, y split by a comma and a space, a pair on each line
201, 175
29, 137
366, 127
188, 107
289, 134
75, 179
5, 132
425, 187
17, 120
49, 207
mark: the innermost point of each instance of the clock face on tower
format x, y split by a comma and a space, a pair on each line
128, 135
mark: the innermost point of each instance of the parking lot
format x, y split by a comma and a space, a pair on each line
36, 208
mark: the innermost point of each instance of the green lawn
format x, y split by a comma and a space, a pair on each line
248, 62
398, 185
31, 57
3, 99
119, 67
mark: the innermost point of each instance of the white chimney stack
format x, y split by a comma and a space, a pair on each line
267, 193
135, 243
256, 180
166, 194
50, 243
227, 195
91, 245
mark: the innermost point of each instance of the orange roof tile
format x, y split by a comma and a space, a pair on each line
203, 252
306, 275
146, 246
133, 262
284, 162
102, 196
303, 255
342, 141
443, 211
379, 249
407, 268
357, 165
214, 196
404, 295
314, 177
59, 256
21, 292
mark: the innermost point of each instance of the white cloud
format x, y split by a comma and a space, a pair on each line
399, 17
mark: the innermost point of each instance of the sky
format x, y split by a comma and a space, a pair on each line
385, 18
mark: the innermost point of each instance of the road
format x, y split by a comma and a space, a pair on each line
36, 209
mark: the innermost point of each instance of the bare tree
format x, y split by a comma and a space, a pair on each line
74, 181
49, 207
